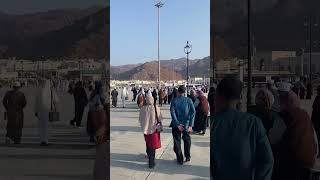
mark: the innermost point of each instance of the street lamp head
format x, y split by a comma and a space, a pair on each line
159, 4
188, 48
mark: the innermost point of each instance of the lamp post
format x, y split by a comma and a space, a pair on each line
21, 69
80, 70
159, 4
187, 50
310, 23
249, 55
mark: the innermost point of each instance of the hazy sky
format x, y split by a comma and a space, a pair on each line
30, 6
134, 30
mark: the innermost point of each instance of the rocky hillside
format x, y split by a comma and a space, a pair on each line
170, 69
54, 34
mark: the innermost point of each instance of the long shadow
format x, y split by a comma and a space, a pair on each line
125, 128
130, 161
134, 129
202, 144
126, 108
48, 156
51, 146
64, 176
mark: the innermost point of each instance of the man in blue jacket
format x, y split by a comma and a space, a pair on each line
183, 114
239, 145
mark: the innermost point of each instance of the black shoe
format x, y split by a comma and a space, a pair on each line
44, 144
152, 164
180, 162
187, 159
180, 159
17, 142
79, 126
92, 140
73, 123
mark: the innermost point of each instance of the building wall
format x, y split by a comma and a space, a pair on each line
290, 64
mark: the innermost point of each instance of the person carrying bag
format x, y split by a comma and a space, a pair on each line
150, 119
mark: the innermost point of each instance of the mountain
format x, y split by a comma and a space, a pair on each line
170, 69
149, 71
116, 70
54, 34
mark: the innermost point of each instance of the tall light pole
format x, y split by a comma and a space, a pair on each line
249, 55
187, 50
159, 5
310, 23
22, 71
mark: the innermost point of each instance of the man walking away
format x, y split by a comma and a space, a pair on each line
14, 102
183, 115
81, 101
239, 145
169, 96
309, 91
135, 92
114, 95
161, 97
155, 96
202, 110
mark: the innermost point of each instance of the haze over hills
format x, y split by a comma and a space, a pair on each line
54, 34
175, 69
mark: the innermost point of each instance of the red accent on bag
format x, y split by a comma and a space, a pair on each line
153, 141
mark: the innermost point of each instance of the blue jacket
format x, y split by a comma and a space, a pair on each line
182, 112
239, 147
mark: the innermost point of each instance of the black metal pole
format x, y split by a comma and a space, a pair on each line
187, 72
249, 55
310, 44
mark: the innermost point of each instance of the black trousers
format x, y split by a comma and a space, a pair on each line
160, 102
14, 126
203, 124
151, 154
176, 133
78, 115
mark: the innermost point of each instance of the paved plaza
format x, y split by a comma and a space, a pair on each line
70, 157
128, 151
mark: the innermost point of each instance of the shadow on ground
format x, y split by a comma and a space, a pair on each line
137, 163
201, 144
63, 176
51, 146
48, 156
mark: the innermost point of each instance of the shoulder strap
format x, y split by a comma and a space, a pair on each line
155, 109
51, 102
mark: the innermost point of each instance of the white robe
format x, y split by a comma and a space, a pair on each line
43, 107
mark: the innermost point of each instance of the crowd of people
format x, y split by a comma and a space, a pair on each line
46, 101
189, 114
275, 139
